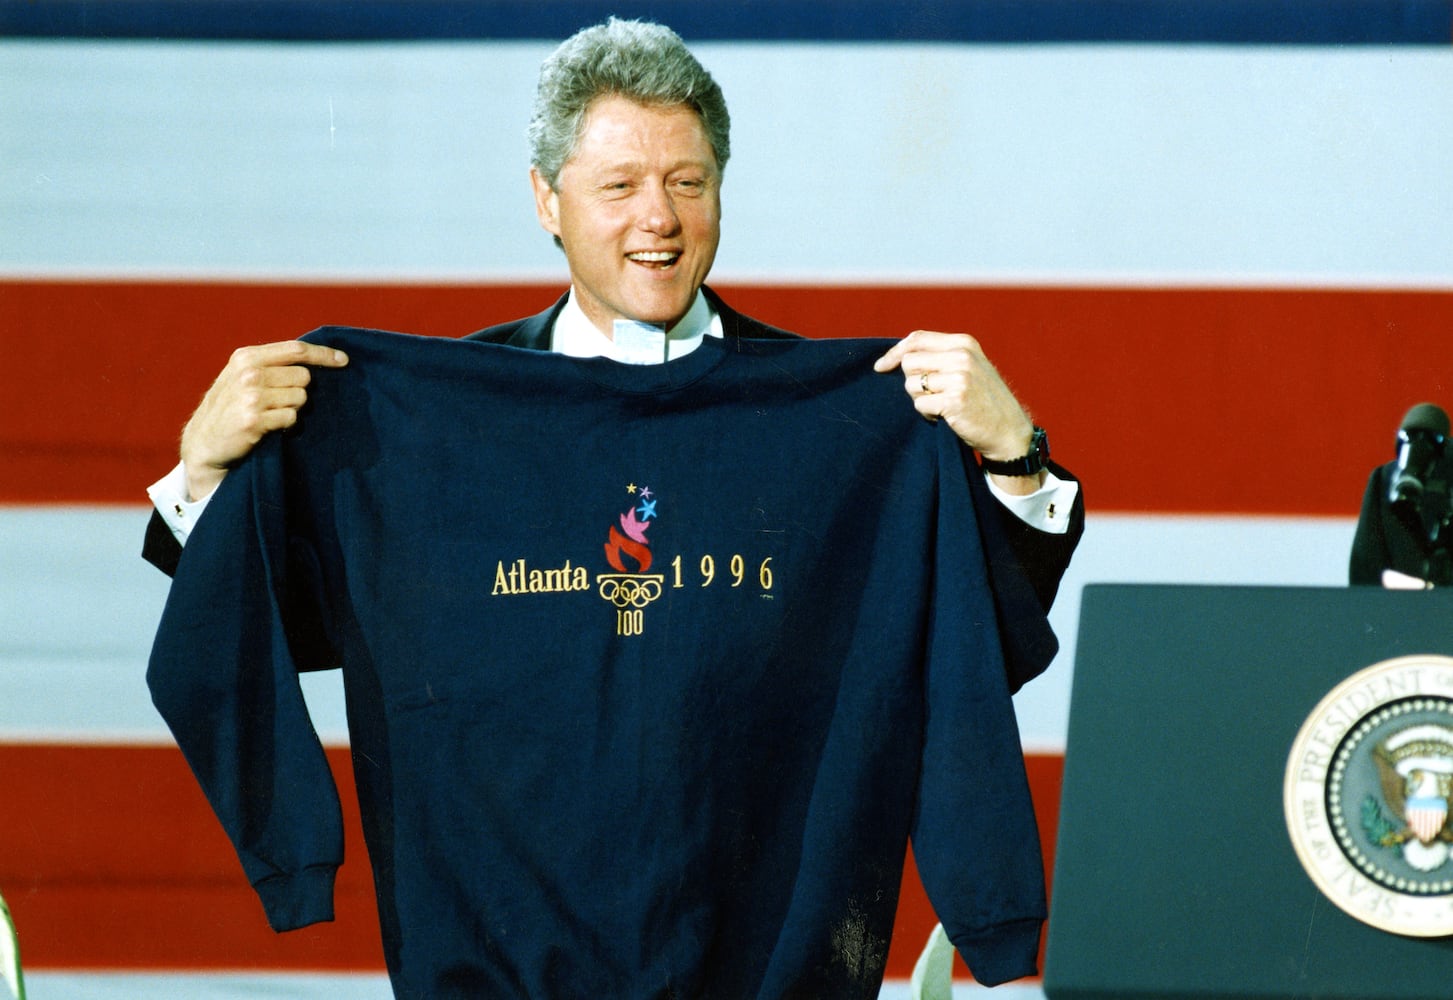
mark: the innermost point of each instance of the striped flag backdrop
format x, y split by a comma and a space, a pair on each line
1209, 243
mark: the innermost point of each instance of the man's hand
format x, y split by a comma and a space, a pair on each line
948, 377
260, 390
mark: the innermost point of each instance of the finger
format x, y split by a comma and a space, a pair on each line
942, 394
958, 354
259, 422
916, 342
276, 420
286, 398
929, 405
915, 363
252, 383
324, 357
937, 340
891, 358
248, 411
285, 377
954, 385
918, 383
288, 352
894, 356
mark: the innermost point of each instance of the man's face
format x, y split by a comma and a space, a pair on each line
638, 209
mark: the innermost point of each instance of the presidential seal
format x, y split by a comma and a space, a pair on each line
1367, 793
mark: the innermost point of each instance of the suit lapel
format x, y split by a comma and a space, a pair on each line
735, 326
534, 333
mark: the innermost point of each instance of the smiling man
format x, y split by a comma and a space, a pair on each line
630, 138
723, 888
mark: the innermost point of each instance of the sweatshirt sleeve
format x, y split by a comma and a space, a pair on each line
1024, 567
975, 839
223, 674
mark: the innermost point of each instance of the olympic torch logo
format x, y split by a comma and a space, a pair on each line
631, 588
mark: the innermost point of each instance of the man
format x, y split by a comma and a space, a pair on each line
629, 141
609, 240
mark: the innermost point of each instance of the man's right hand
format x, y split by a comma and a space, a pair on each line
261, 390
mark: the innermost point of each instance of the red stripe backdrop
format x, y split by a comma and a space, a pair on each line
1161, 400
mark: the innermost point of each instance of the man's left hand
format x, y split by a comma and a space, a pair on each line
948, 376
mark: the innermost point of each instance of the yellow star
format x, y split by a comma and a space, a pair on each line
631, 488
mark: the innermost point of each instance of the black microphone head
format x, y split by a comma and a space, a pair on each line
1421, 441
1428, 418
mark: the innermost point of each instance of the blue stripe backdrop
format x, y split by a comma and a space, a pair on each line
1306, 22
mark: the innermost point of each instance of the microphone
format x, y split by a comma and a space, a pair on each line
1421, 440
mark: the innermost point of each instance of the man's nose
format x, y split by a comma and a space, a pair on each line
658, 212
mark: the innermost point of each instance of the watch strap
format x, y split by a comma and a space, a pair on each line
1029, 465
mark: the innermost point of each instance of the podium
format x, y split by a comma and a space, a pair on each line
1175, 876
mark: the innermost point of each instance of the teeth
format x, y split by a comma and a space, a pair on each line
656, 257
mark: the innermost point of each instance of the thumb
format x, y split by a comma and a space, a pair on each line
891, 358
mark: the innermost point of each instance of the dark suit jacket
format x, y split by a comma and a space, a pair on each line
1390, 537
1025, 564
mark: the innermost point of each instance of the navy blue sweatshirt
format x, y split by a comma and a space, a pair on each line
652, 673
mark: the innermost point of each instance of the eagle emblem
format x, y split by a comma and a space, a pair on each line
1372, 766
1415, 767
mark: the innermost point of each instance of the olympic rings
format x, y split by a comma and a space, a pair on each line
630, 591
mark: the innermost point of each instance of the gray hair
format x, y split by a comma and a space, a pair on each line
644, 62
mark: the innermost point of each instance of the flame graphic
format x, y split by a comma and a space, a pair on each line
619, 545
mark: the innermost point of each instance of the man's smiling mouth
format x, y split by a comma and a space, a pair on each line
655, 258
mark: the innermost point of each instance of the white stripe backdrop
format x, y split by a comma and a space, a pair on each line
1091, 164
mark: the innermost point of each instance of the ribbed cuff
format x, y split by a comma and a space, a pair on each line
297, 900
1003, 952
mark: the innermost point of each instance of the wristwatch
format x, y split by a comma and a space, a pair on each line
1029, 465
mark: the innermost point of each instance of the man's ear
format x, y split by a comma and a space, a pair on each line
547, 203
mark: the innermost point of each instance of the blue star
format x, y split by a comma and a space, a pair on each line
647, 509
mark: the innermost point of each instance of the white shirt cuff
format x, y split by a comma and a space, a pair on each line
1047, 508
176, 508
